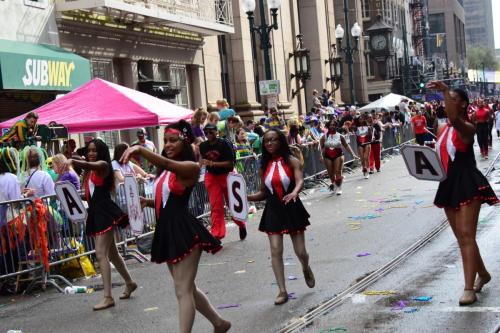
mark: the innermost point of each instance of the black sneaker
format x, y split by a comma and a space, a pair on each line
371, 172
331, 188
243, 233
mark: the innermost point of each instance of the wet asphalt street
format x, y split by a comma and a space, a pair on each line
376, 219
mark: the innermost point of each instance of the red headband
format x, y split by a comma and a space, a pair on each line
173, 131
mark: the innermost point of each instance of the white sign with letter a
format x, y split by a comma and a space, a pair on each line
423, 163
238, 204
71, 202
133, 205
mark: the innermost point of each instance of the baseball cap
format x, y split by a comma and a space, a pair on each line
210, 127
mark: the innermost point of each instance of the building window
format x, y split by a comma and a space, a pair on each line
178, 80
226, 91
368, 61
365, 9
102, 69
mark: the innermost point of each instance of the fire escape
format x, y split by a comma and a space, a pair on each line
417, 8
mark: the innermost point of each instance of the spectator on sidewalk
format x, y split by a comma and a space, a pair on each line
376, 143
213, 118
144, 142
274, 121
217, 156
316, 101
419, 125
224, 111
65, 170
227, 128
198, 122
38, 182
325, 96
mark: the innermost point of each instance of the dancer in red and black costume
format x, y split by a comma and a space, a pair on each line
179, 237
284, 213
103, 215
363, 138
482, 117
465, 188
333, 155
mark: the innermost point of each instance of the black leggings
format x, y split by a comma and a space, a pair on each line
482, 137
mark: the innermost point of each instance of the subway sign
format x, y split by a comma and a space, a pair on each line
52, 69
48, 73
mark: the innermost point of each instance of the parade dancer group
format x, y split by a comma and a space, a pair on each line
180, 238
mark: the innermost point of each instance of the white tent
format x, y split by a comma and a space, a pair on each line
387, 102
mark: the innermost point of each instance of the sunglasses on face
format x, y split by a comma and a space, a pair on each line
271, 141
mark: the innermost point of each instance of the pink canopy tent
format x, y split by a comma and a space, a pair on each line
103, 106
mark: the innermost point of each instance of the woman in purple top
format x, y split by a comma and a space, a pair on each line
198, 122
65, 171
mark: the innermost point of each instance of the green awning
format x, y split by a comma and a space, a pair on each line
25, 66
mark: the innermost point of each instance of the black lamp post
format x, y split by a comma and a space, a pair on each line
335, 63
348, 50
263, 30
302, 59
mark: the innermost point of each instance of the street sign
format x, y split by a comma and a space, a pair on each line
423, 163
71, 202
272, 101
133, 205
238, 203
270, 87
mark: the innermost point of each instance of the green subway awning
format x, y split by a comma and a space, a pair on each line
26, 66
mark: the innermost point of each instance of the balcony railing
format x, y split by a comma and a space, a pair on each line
208, 17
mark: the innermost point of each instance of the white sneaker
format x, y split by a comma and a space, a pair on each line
367, 175
339, 190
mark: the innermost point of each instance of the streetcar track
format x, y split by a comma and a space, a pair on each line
304, 321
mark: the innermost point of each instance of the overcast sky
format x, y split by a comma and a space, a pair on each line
496, 21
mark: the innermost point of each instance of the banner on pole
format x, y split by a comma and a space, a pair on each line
238, 204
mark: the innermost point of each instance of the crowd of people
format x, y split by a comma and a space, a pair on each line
211, 145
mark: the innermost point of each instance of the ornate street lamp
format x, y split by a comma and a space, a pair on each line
302, 60
263, 30
335, 63
348, 50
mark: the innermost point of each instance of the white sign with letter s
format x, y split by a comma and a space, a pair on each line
71, 202
238, 203
423, 163
133, 205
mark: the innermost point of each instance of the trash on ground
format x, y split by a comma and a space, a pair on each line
379, 292
364, 217
240, 272
411, 310
250, 261
336, 329
292, 277
292, 296
400, 306
228, 306
364, 254
154, 308
423, 298
75, 290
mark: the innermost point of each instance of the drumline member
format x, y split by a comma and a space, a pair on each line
333, 155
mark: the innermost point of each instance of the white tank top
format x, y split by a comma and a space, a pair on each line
333, 141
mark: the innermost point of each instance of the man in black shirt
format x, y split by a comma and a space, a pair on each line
218, 157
